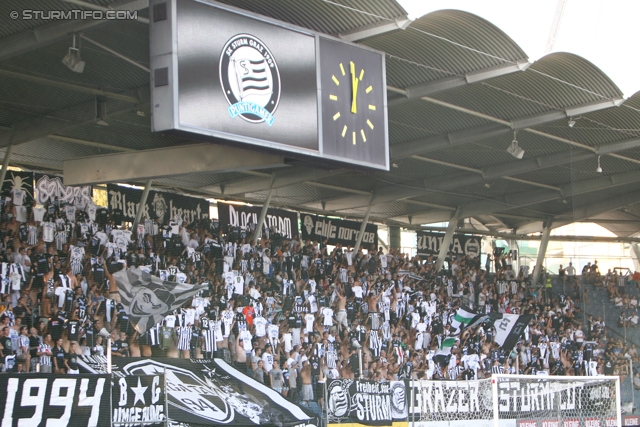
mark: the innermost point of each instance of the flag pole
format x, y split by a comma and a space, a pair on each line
109, 355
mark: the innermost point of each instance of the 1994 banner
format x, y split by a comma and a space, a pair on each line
46, 400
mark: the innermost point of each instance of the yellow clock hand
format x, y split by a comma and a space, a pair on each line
354, 88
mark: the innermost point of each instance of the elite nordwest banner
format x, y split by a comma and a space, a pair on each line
318, 228
40, 400
139, 400
281, 220
429, 244
359, 401
160, 205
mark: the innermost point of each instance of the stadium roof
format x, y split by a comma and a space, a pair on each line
458, 89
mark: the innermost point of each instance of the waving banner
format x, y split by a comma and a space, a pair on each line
50, 188
318, 228
147, 299
462, 244
286, 222
356, 401
40, 400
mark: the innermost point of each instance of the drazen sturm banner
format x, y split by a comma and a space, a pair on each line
318, 228
44, 400
358, 401
283, 221
51, 188
209, 392
462, 244
161, 206
138, 400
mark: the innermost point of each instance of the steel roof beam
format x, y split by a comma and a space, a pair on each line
589, 210
68, 86
261, 184
441, 85
498, 128
511, 201
163, 162
362, 33
43, 35
55, 121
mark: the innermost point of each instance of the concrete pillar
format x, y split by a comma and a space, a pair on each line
446, 242
263, 212
5, 164
363, 226
542, 251
143, 202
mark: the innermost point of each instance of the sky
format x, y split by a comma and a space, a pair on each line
602, 31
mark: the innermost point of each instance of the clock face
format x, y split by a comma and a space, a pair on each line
353, 103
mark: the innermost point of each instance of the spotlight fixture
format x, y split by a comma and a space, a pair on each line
572, 122
487, 184
72, 58
394, 164
514, 149
599, 168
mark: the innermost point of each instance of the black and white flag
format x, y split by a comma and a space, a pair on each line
509, 328
147, 299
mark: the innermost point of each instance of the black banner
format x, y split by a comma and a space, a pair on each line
209, 392
40, 400
462, 244
318, 228
355, 401
164, 206
50, 188
138, 400
18, 181
286, 222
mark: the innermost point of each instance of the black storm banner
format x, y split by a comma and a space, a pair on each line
462, 244
50, 188
162, 206
41, 400
204, 392
318, 228
138, 400
286, 222
355, 401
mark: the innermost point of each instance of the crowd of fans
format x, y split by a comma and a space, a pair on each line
290, 314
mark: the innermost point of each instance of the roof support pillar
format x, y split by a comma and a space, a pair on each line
142, 204
542, 251
446, 241
363, 226
265, 208
5, 163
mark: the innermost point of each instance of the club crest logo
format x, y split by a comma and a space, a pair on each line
250, 79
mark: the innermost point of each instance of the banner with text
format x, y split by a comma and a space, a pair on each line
355, 401
139, 400
462, 244
40, 400
318, 228
284, 221
162, 206
202, 392
50, 188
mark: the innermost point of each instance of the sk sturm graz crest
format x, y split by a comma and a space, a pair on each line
250, 79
